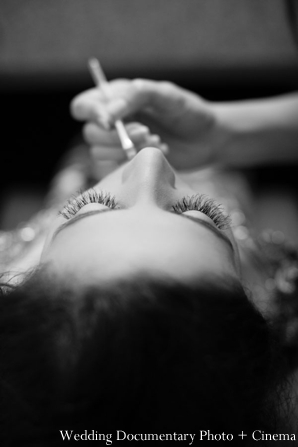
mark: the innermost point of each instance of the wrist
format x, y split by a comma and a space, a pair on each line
224, 135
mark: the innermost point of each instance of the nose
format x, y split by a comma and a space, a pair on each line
149, 175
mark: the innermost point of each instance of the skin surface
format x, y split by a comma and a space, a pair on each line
195, 132
144, 234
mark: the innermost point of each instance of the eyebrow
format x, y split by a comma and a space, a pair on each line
197, 221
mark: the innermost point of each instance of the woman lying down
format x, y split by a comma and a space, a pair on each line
141, 305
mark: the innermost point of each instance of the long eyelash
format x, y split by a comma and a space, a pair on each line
197, 202
90, 196
202, 203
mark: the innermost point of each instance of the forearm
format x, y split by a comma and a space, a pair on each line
258, 131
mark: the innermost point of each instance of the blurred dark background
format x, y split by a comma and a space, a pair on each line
221, 49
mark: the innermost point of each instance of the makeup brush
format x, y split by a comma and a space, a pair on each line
101, 82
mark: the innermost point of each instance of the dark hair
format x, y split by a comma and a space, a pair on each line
135, 354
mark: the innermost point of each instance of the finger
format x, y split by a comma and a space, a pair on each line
124, 98
138, 134
155, 141
149, 141
95, 135
146, 139
101, 153
140, 94
164, 148
90, 106
120, 98
141, 137
132, 126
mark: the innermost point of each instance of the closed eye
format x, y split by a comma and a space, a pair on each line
74, 205
197, 202
205, 205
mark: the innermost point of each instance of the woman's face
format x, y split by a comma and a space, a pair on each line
97, 243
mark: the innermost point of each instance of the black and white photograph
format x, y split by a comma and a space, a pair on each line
149, 223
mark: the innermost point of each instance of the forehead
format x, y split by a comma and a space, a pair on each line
121, 243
